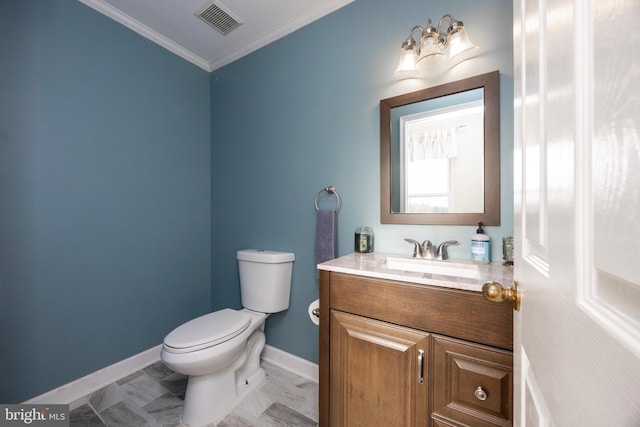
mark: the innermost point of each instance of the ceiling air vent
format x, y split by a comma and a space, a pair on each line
219, 17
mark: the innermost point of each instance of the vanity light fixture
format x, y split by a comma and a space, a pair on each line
437, 49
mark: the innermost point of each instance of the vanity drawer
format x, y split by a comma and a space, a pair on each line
472, 384
462, 314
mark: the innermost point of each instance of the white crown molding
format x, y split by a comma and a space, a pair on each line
322, 9
137, 26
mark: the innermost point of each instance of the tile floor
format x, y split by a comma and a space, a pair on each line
154, 397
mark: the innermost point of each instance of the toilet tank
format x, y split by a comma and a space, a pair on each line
265, 279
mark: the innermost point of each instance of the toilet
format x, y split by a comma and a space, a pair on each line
220, 351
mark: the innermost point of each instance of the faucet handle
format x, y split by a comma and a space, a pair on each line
417, 249
442, 249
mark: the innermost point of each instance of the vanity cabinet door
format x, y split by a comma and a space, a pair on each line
472, 384
378, 373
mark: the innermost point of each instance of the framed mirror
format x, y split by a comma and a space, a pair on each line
440, 154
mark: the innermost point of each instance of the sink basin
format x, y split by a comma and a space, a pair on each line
446, 268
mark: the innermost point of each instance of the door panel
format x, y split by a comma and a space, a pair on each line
375, 371
610, 291
577, 212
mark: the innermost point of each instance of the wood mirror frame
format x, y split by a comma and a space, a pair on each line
490, 82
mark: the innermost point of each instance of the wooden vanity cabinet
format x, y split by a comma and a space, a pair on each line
401, 354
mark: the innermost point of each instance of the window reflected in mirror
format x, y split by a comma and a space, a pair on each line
440, 152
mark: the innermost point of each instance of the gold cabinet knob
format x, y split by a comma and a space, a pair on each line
495, 292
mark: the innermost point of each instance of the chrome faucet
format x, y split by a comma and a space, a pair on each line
425, 250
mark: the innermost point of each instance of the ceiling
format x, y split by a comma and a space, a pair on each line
173, 24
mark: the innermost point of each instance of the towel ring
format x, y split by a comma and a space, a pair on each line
331, 190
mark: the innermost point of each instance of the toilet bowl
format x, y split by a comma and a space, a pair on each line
220, 351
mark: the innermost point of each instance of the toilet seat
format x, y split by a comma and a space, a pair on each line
207, 331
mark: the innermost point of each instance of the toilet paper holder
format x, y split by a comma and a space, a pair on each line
314, 312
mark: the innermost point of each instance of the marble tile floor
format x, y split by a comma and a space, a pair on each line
154, 397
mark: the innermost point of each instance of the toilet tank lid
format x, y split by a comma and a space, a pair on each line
264, 256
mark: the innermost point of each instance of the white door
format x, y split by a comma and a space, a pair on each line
577, 212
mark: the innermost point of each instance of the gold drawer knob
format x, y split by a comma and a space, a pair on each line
480, 393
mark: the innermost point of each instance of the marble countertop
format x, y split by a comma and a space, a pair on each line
375, 265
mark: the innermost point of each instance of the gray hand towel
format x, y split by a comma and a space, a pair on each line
326, 235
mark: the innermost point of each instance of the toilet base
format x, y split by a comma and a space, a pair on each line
251, 383
210, 397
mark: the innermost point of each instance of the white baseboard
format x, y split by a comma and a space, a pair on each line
72, 392
77, 389
291, 363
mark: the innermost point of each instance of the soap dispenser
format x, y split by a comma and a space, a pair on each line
480, 246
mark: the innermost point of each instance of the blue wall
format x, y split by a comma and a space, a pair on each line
302, 113
129, 177
104, 194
